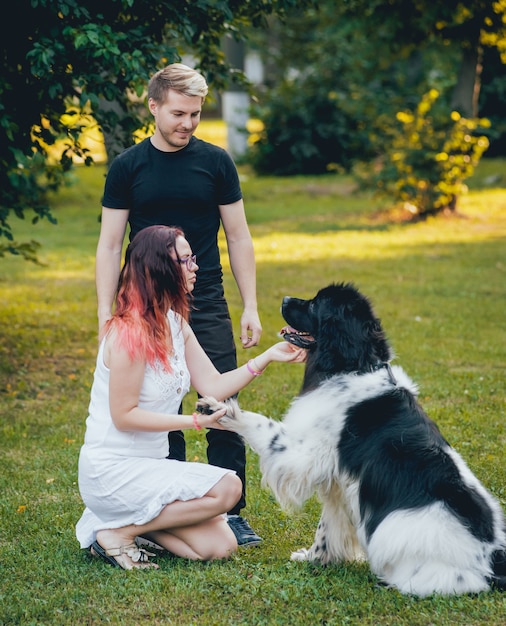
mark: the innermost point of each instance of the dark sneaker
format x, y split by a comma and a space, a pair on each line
243, 532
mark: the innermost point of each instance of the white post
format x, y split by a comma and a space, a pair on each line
235, 101
235, 106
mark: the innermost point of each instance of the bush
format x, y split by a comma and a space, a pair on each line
305, 130
428, 155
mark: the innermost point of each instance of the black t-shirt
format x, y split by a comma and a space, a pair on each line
182, 188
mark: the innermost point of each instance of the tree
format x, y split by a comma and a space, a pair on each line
432, 152
493, 99
65, 62
467, 24
345, 71
335, 77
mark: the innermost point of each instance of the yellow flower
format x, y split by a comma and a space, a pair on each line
21, 508
404, 117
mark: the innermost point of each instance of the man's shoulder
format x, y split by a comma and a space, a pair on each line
212, 155
206, 147
133, 152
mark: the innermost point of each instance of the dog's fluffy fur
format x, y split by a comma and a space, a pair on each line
393, 490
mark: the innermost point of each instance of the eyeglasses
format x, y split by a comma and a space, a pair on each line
189, 261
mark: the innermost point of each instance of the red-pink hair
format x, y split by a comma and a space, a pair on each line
150, 283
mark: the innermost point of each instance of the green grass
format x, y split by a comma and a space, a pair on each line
439, 287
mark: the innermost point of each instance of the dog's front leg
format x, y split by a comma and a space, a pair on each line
335, 538
258, 430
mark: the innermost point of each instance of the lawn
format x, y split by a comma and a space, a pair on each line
440, 289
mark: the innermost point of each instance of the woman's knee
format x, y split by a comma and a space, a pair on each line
222, 550
224, 544
230, 490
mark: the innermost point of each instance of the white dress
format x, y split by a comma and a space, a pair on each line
125, 477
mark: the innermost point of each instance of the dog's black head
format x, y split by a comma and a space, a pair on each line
340, 330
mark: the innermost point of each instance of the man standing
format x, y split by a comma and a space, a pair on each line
175, 179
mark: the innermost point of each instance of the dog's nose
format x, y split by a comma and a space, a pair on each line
285, 301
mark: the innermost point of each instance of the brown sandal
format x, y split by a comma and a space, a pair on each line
138, 555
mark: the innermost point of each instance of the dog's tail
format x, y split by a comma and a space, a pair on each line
498, 579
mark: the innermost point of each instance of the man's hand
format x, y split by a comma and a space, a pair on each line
251, 329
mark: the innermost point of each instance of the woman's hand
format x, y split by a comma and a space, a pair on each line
287, 353
210, 421
282, 352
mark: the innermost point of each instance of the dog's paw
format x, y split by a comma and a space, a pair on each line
300, 555
208, 405
231, 418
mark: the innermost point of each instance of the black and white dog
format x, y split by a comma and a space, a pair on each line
393, 490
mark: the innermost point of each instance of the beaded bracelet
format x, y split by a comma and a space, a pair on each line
251, 369
197, 425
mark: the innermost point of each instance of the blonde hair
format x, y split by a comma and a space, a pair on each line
179, 77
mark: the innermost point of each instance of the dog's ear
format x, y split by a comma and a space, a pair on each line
350, 343
340, 343
376, 346
378, 339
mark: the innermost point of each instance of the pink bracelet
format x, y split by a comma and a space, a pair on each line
251, 369
197, 425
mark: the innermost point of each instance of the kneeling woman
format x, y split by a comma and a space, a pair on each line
146, 362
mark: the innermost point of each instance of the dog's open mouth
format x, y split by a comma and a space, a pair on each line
298, 338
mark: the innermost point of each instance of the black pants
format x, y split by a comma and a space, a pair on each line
212, 326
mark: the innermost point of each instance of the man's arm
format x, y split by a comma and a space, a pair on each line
108, 260
242, 263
